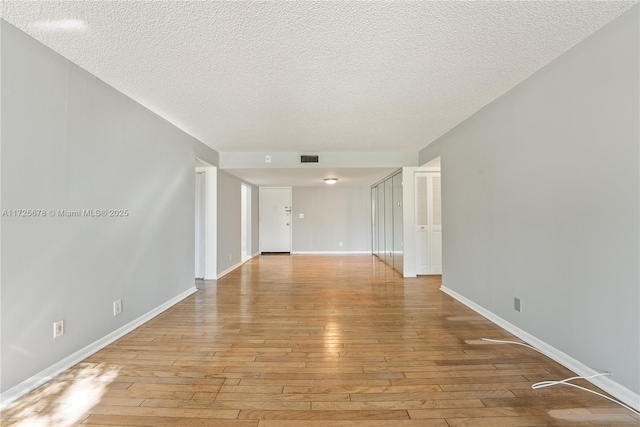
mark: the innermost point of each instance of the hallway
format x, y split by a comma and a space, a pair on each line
299, 341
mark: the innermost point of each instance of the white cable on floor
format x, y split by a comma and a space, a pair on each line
544, 384
512, 342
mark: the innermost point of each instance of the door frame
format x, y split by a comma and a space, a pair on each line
210, 220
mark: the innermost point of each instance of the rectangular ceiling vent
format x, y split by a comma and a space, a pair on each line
308, 159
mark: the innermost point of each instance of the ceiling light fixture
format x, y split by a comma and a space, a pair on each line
70, 25
331, 180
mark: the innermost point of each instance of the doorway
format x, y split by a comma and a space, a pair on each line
206, 195
245, 226
428, 215
275, 219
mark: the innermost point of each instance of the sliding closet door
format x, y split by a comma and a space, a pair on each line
388, 221
374, 220
398, 235
381, 234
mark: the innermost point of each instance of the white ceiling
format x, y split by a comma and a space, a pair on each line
312, 76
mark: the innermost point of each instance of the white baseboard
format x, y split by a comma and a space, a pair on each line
233, 267
230, 269
331, 253
52, 371
605, 383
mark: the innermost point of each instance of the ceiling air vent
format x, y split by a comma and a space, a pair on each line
308, 159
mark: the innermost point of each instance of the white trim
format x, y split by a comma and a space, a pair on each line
57, 368
230, 269
605, 383
331, 253
210, 221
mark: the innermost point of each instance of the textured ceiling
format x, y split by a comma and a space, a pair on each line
313, 76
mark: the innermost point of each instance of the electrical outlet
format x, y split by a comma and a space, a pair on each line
229, 257
117, 307
301, 216
340, 243
517, 304
58, 328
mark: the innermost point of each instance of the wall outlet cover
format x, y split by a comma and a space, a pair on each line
58, 328
117, 307
517, 304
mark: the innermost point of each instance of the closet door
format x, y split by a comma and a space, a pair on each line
398, 235
388, 221
374, 220
435, 241
428, 223
381, 234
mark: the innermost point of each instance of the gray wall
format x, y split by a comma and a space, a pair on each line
331, 215
69, 141
229, 220
541, 201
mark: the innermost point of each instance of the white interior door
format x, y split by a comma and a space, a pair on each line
428, 223
275, 219
435, 223
200, 219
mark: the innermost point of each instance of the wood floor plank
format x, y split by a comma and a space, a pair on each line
219, 404
474, 412
314, 341
325, 415
353, 423
404, 404
362, 389
147, 411
144, 421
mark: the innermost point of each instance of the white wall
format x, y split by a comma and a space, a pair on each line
210, 221
69, 141
332, 214
541, 201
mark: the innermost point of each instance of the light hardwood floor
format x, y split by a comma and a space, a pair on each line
314, 341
